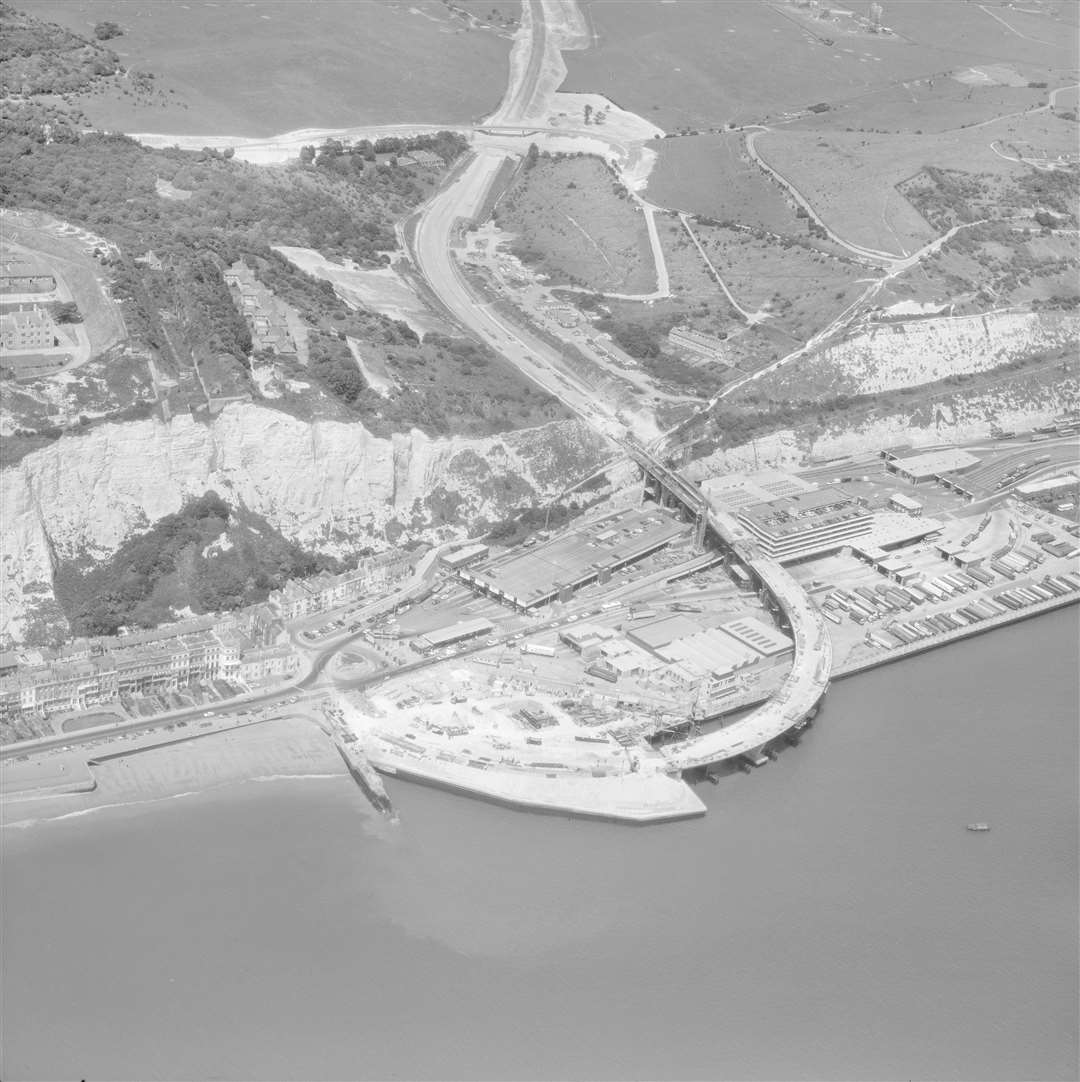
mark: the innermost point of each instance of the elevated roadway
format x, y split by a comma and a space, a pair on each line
433, 241
807, 681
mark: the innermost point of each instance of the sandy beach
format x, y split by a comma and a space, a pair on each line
285, 747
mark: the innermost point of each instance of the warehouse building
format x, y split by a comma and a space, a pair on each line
659, 633
448, 636
470, 554
899, 502
711, 652
931, 466
767, 640
734, 491
555, 569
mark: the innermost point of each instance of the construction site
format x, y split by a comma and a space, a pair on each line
666, 639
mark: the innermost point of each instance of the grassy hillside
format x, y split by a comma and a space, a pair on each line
575, 223
198, 213
279, 65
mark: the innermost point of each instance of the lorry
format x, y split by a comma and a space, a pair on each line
538, 649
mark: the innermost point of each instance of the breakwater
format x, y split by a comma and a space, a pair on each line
364, 774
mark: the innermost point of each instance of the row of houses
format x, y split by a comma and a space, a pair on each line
323, 592
267, 316
245, 648
93, 671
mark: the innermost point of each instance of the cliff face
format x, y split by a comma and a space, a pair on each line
328, 485
889, 356
958, 418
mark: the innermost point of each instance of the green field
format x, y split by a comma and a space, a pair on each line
851, 178
702, 64
712, 175
572, 224
263, 67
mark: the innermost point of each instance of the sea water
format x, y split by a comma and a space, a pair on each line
830, 918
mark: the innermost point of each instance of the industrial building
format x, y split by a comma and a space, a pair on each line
734, 491
711, 651
810, 524
448, 636
470, 554
659, 633
767, 640
555, 569
899, 502
1049, 486
931, 466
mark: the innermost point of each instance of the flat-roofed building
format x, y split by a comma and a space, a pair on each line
932, 464
734, 491
658, 633
453, 633
587, 639
811, 524
764, 638
697, 342
470, 554
555, 569
24, 274
893, 565
899, 502
711, 652
894, 529
1048, 485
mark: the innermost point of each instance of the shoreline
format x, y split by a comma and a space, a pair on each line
116, 776
277, 750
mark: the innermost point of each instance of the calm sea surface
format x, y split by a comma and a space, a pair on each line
829, 919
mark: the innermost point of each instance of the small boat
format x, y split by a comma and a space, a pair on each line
978, 827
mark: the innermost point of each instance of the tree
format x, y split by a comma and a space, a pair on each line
532, 156
103, 31
588, 113
66, 312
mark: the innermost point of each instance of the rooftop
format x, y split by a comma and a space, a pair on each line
810, 510
738, 490
762, 637
531, 576
952, 459
660, 632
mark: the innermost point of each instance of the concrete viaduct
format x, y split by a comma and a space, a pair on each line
800, 695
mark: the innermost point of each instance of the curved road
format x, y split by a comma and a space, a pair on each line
433, 241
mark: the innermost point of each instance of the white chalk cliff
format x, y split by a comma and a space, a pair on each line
905, 354
331, 486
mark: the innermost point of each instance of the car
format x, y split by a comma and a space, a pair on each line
209, 714
491, 642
